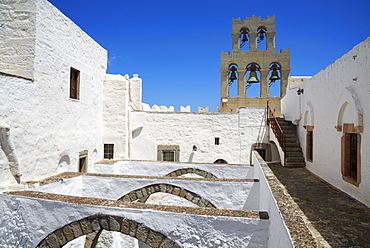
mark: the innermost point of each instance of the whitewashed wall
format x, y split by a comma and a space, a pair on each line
161, 169
237, 133
344, 81
48, 128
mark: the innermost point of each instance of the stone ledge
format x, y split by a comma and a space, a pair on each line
113, 161
132, 205
67, 175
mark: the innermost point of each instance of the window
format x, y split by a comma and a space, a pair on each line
82, 161
309, 143
217, 141
74, 88
351, 155
220, 161
168, 153
108, 151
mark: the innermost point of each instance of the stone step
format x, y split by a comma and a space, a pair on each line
294, 165
294, 160
293, 149
294, 154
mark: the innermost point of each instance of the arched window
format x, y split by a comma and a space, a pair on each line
244, 38
261, 38
275, 80
253, 82
233, 80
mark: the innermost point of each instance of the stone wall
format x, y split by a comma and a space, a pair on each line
236, 133
17, 37
337, 95
49, 129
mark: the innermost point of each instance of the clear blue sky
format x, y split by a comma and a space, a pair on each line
175, 45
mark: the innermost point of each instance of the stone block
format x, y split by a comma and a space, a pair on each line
142, 232
126, 198
168, 243
86, 226
125, 226
150, 190
195, 200
182, 193
114, 224
163, 188
144, 191
189, 196
176, 191
95, 224
178, 173
104, 223
202, 203
132, 196
133, 228
169, 189
173, 174
61, 238
154, 239
156, 188
139, 194
52, 241
68, 233
43, 244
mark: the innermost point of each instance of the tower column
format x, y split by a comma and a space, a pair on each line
264, 82
284, 81
235, 42
241, 83
253, 41
224, 84
270, 41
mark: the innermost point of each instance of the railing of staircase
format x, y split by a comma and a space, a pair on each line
276, 128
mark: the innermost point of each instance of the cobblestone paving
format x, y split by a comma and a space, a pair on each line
340, 219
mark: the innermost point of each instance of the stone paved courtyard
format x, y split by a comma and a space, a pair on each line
340, 219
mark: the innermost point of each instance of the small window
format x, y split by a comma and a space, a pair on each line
220, 161
108, 151
82, 161
168, 155
217, 141
309, 144
74, 89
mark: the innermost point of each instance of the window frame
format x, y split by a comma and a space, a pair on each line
74, 84
168, 148
309, 143
351, 157
108, 151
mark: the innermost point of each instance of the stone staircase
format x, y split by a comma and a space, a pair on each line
293, 155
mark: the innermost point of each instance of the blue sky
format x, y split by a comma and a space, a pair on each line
175, 45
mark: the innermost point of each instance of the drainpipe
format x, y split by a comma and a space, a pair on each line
8, 147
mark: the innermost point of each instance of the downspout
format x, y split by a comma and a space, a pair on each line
8, 147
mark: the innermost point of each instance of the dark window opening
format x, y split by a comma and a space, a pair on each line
74, 84
108, 151
220, 161
169, 155
309, 146
217, 141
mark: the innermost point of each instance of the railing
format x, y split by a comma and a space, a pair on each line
276, 128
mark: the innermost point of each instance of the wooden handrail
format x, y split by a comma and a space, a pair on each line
276, 128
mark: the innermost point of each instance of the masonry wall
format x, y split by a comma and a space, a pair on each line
49, 129
17, 37
337, 95
237, 133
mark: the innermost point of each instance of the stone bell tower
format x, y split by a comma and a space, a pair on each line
253, 64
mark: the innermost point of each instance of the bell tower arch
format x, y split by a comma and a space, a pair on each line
253, 43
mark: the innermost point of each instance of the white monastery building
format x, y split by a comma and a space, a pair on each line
60, 112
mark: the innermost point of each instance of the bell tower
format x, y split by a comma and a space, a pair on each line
253, 68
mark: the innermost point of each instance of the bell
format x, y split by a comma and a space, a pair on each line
232, 76
245, 38
274, 76
261, 36
253, 78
